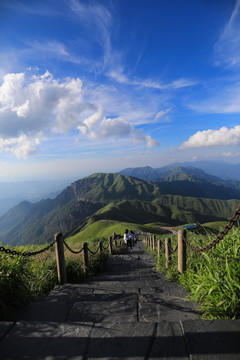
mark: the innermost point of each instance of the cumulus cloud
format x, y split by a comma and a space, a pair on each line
116, 127
33, 108
139, 137
211, 138
30, 106
90, 122
21, 146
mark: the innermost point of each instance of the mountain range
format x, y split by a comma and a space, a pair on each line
178, 195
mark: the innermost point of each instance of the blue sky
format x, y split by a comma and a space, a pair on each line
98, 86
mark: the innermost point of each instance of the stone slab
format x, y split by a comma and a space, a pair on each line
120, 341
158, 307
48, 341
106, 308
213, 339
168, 343
53, 310
71, 290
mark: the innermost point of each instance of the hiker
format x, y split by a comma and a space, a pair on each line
131, 236
126, 239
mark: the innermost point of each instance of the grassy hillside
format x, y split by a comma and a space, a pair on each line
200, 183
107, 197
101, 229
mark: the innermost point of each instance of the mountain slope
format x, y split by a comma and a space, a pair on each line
106, 196
166, 210
205, 185
37, 223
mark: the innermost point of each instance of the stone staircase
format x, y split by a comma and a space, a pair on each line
128, 312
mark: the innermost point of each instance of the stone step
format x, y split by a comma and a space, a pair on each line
191, 339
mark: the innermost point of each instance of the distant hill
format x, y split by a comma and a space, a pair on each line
107, 196
205, 185
221, 169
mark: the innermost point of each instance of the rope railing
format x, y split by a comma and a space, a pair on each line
60, 243
183, 243
25, 253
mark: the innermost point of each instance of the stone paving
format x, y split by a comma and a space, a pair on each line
128, 312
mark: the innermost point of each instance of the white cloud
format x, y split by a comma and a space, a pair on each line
22, 146
211, 138
151, 142
226, 101
162, 113
91, 121
117, 127
148, 83
34, 108
228, 46
231, 154
29, 106
139, 137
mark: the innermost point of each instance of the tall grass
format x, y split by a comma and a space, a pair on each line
24, 278
212, 278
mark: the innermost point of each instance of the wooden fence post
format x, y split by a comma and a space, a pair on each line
61, 267
100, 247
181, 251
167, 252
114, 238
85, 258
159, 247
110, 245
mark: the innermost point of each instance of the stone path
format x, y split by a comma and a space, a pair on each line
128, 312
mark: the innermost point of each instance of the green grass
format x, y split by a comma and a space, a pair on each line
24, 278
212, 277
102, 229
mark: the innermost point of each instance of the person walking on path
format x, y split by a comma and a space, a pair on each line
132, 236
126, 239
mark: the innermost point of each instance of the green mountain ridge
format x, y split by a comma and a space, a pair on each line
113, 197
179, 173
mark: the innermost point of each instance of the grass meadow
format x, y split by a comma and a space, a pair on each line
212, 278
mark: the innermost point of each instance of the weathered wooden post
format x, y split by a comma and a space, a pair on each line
150, 241
182, 251
85, 258
114, 237
100, 247
110, 245
61, 267
159, 247
167, 252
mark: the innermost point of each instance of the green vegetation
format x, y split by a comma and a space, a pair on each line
99, 230
212, 277
114, 197
24, 278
